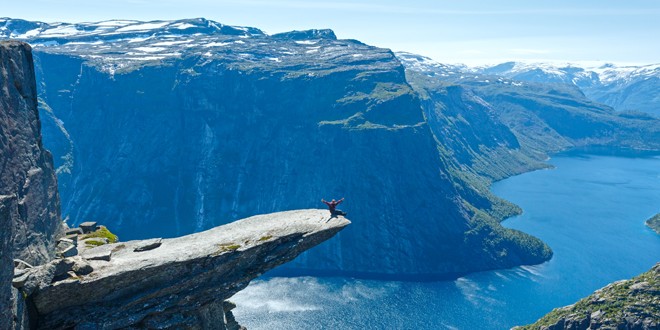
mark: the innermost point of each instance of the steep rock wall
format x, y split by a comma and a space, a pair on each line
29, 202
182, 146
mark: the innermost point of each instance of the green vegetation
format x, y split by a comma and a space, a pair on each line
613, 306
654, 223
508, 247
382, 92
102, 232
226, 247
265, 238
93, 243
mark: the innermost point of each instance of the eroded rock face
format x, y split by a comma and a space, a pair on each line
29, 201
180, 283
27, 169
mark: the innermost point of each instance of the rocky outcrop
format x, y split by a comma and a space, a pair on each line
179, 283
29, 201
629, 304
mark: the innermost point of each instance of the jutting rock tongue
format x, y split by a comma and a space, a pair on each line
180, 283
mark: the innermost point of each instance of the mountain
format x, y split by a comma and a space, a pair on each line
104, 286
490, 127
29, 203
627, 304
166, 128
624, 88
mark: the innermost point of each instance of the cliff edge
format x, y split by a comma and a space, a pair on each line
178, 283
29, 202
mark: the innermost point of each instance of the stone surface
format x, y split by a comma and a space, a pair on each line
29, 202
629, 304
69, 251
182, 283
98, 253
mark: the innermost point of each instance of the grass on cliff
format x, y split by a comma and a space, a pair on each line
93, 243
102, 232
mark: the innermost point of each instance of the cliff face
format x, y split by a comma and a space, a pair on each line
29, 202
210, 123
629, 304
178, 283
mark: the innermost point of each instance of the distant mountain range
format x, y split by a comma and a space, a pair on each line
624, 88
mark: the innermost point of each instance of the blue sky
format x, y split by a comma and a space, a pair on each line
472, 32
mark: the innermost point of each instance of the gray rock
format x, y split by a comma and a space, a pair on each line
20, 264
88, 227
18, 272
73, 231
81, 266
39, 277
27, 167
103, 252
73, 238
149, 244
19, 281
642, 286
179, 284
64, 244
29, 201
69, 251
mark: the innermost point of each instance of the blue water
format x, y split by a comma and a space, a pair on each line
589, 209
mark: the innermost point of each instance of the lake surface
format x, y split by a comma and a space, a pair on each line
589, 209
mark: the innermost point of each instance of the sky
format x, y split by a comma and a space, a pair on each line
466, 31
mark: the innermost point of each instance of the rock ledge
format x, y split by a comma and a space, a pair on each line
181, 283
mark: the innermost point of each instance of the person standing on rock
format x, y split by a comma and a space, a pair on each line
332, 205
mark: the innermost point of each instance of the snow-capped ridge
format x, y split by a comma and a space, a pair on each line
26, 30
117, 46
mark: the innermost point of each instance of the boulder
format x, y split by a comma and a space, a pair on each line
88, 227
